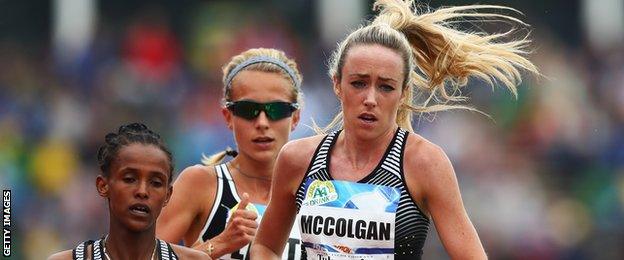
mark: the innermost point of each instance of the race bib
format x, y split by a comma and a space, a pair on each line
347, 220
292, 250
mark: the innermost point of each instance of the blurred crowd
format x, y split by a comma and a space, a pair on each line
541, 178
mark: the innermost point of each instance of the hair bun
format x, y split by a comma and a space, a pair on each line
126, 135
132, 127
110, 138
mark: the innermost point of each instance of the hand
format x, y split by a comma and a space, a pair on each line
239, 231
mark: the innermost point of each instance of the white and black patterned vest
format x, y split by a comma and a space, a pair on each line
163, 252
412, 225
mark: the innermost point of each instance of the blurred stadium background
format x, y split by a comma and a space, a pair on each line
543, 180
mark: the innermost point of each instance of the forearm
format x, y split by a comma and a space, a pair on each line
215, 247
475, 254
465, 244
260, 251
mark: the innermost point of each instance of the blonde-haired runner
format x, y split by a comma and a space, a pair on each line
215, 206
371, 189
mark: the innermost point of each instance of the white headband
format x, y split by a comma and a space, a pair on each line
260, 59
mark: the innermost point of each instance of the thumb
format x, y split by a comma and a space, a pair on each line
244, 201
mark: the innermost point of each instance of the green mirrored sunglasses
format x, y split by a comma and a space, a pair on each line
274, 110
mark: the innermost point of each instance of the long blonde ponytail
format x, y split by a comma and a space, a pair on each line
439, 58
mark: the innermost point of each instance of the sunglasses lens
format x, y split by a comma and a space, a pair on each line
250, 110
278, 110
245, 109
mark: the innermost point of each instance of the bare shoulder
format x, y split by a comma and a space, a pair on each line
196, 176
193, 193
425, 160
189, 253
63, 255
293, 161
298, 153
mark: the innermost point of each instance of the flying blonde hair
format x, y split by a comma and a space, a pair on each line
439, 58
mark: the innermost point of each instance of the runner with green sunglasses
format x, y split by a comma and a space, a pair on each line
216, 207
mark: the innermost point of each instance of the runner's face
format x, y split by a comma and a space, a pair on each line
261, 138
137, 186
370, 89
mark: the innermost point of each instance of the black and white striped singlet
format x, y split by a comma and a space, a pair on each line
164, 251
412, 225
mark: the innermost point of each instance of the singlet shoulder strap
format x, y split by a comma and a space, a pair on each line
98, 253
165, 252
319, 160
215, 206
229, 181
393, 162
80, 252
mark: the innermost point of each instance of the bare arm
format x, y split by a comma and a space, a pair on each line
193, 193
430, 176
64, 255
188, 253
289, 170
193, 197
